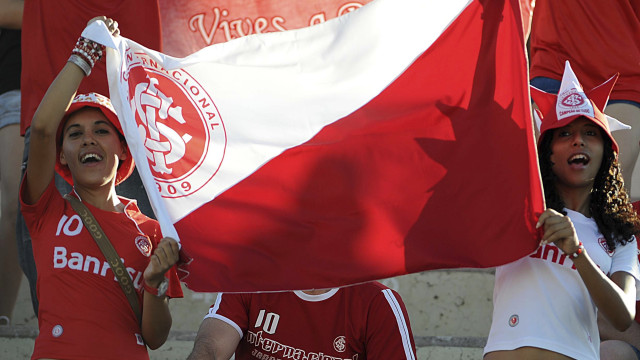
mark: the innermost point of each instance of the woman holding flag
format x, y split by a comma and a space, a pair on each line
84, 312
546, 304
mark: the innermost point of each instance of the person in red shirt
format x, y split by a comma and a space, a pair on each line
46, 43
365, 321
618, 345
83, 313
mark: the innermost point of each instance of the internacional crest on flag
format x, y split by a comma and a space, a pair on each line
394, 139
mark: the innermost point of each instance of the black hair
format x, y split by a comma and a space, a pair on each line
609, 204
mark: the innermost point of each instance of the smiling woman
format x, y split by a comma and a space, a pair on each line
80, 138
545, 304
576, 155
92, 121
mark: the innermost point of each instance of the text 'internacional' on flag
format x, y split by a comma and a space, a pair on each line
394, 139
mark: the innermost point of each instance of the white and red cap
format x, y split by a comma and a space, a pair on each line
103, 104
572, 102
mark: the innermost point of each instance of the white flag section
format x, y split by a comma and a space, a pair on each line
233, 95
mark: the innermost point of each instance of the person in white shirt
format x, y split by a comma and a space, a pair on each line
546, 304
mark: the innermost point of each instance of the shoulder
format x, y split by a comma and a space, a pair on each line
371, 292
147, 225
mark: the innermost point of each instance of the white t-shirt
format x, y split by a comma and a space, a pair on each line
541, 300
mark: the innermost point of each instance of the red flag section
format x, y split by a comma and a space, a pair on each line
438, 171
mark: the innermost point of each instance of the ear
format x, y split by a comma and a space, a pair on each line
63, 161
124, 153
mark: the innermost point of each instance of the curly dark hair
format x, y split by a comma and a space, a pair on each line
609, 204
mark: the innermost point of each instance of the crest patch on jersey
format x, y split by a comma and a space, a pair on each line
514, 320
340, 343
605, 247
57, 331
144, 245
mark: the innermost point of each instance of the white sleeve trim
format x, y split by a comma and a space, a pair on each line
213, 315
402, 324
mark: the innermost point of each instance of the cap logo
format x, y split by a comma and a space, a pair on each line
571, 98
94, 98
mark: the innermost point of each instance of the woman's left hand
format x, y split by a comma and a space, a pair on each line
112, 25
164, 257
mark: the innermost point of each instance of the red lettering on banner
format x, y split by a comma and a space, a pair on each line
233, 28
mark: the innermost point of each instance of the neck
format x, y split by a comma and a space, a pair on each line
316, 291
576, 199
104, 198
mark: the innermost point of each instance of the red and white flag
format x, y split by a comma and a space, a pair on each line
394, 139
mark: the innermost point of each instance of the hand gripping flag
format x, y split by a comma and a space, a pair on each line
394, 139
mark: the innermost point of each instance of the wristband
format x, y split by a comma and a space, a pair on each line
82, 63
578, 252
160, 291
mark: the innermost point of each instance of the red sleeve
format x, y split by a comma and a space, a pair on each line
233, 309
33, 213
388, 328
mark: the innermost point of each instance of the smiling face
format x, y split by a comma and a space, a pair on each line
576, 154
91, 148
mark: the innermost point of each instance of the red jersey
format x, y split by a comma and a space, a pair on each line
598, 37
49, 33
364, 322
84, 314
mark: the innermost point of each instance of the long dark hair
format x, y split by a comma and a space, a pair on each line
609, 203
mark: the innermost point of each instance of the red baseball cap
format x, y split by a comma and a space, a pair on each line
103, 104
572, 102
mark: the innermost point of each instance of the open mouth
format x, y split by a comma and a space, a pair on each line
579, 159
90, 158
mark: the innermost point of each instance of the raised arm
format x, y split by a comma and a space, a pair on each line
42, 147
216, 340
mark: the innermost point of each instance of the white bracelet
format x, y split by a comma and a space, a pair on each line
82, 64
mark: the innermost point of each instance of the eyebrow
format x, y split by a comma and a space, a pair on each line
97, 122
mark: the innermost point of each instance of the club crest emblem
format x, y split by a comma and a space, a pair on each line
573, 99
178, 124
605, 247
514, 320
144, 245
340, 344
57, 331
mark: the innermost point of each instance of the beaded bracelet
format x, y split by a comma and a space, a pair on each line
89, 51
578, 252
